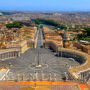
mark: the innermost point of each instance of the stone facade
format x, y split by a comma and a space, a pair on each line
9, 54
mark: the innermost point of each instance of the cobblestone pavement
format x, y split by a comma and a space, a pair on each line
38, 64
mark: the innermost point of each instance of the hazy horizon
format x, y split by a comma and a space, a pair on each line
44, 11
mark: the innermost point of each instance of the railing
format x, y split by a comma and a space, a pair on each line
65, 77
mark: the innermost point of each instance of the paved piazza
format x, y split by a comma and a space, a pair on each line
38, 64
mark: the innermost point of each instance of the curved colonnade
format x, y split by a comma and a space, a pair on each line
80, 57
72, 54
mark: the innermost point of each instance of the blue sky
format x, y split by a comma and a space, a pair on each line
47, 5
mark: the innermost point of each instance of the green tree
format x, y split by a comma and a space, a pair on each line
49, 22
14, 25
